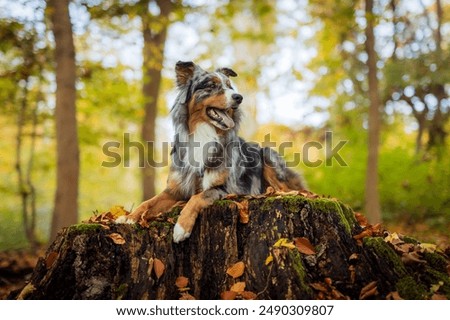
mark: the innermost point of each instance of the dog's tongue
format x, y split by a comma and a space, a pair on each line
226, 119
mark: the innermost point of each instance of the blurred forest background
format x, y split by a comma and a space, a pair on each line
376, 73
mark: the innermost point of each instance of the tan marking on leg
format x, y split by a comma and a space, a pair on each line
153, 207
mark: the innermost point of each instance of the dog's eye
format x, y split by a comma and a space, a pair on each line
212, 85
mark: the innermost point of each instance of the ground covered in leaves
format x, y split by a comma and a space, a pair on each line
16, 267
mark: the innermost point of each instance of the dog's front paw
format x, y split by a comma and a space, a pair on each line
180, 234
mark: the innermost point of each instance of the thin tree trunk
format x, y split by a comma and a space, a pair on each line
66, 198
372, 205
153, 57
26, 188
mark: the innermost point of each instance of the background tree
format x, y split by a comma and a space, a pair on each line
66, 198
372, 205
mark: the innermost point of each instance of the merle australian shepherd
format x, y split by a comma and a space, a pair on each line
209, 159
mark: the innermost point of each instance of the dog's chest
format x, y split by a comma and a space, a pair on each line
204, 148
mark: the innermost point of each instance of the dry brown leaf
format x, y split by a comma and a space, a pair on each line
116, 238
304, 246
51, 258
228, 295
362, 220
319, 286
394, 295
411, 258
365, 233
238, 287
353, 257
243, 211
230, 196
236, 270
352, 273
186, 296
158, 267
438, 296
181, 282
248, 295
368, 290
337, 295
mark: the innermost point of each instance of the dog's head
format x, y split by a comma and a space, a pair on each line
209, 97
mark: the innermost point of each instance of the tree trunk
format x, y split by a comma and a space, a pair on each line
153, 57
66, 206
372, 205
289, 247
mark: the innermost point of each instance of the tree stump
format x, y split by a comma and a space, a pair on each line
287, 246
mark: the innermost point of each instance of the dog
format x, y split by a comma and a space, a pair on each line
209, 159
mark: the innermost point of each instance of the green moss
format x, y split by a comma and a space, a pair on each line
384, 252
121, 291
433, 276
84, 227
345, 213
224, 203
408, 239
436, 261
409, 289
297, 265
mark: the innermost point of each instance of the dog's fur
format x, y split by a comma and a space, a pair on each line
209, 160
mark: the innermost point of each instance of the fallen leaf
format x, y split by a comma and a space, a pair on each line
269, 259
352, 273
362, 220
365, 233
248, 295
437, 296
158, 267
319, 286
51, 258
116, 238
117, 211
368, 290
243, 211
186, 296
427, 247
238, 287
228, 295
393, 238
181, 282
435, 287
353, 257
236, 270
283, 242
304, 246
230, 196
411, 258
394, 295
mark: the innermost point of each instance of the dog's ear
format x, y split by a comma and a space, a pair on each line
227, 71
184, 71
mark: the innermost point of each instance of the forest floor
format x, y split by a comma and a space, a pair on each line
16, 266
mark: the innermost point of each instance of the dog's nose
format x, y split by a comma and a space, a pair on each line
237, 98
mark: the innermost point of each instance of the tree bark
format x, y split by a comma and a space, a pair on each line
372, 205
347, 258
66, 197
153, 58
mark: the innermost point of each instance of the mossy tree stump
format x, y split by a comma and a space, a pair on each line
346, 259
